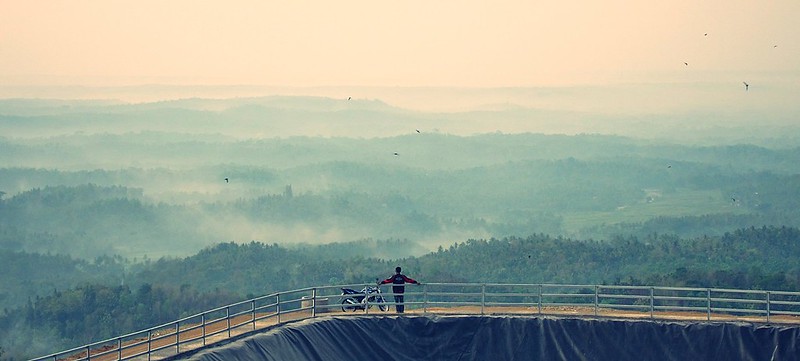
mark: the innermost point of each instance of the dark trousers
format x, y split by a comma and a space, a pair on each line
398, 306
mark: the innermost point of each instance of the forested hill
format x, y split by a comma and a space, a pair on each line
115, 217
156, 212
762, 254
758, 258
159, 193
166, 289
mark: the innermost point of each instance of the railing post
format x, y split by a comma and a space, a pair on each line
119, 348
596, 299
652, 301
541, 289
203, 328
424, 299
366, 302
314, 302
708, 304
88, 353
278, 307
483, 298
228, 320
768, 306
149, 343
253, 308
177, 338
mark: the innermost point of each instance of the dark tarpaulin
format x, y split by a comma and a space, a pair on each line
509, 338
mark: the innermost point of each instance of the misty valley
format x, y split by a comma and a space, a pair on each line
164, 209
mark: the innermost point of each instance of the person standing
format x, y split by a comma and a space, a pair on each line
398, 280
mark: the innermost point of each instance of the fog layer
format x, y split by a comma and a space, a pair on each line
166, 178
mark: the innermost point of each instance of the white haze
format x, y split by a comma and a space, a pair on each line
79, 138
639, 109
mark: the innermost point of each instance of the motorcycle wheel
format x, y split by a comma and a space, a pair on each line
349, 304
382, 304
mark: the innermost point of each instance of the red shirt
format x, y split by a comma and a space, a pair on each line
398, 279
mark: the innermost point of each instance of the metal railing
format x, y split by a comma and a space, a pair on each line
642, 302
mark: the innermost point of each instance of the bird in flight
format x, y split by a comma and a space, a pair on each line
348, 98
417, 130
685, 63
226, 179
396, 154
746, 86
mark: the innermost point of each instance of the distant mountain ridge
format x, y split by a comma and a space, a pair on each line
523, 111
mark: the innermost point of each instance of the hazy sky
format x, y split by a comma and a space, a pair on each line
395, 42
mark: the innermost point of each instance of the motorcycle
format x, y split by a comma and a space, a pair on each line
360, 300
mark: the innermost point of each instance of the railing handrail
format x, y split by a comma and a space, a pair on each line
283, 306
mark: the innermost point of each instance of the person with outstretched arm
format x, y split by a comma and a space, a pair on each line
398, 280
